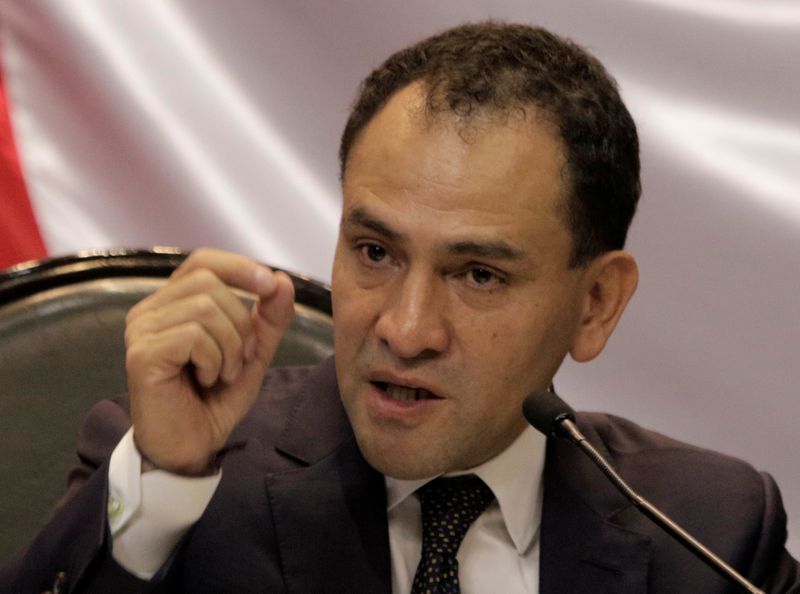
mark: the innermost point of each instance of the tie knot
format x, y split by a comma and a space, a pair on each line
449, 507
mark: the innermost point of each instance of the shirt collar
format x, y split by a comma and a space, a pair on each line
515, 478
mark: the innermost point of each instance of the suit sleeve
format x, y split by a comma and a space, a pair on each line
72, 553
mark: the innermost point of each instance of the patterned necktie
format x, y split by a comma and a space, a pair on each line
449, 506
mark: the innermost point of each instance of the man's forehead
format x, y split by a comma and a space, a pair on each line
409, 116
402, 148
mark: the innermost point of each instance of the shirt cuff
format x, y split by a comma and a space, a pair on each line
149, 513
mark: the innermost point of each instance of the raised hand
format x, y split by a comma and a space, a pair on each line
196, 356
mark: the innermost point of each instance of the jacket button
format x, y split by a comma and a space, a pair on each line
60, 584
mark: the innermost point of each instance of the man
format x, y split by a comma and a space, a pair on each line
489, 177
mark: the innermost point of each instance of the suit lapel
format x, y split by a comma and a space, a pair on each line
329, 513
583, 550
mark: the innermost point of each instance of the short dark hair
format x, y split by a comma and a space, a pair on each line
502, 67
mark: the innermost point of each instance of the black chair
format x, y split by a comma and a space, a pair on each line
61, 350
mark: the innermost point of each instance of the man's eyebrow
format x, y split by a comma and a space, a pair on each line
360, 216
489, 249
499, 250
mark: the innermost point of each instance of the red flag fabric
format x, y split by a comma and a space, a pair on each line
20, 238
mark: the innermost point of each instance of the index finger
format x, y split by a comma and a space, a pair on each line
232, 269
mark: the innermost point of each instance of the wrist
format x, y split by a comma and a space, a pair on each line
210, 468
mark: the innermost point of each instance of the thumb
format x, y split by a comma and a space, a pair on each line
272, 316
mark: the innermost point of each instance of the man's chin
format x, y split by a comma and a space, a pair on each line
402, 465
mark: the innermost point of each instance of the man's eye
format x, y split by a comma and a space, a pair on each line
373, 252
482, 276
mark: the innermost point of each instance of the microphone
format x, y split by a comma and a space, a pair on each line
548, 413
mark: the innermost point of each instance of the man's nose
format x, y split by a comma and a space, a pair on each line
414, 323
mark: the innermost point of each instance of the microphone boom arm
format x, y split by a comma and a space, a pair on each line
566, 428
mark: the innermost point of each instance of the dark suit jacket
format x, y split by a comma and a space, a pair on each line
299, 510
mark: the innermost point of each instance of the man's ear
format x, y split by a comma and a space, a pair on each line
610, 281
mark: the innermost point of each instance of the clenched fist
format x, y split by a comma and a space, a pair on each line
196, 356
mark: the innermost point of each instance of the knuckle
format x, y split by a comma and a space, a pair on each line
200, 253
136, 331
235, 347
204, 279
241, 319
133, 312
205, 307
135, 356
198, 258
193, 332
130, 336
136, 326
191, 260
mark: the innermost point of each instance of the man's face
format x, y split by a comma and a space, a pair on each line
452, 294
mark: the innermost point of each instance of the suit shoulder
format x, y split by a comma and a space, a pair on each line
623, 437
656, 461
702, 490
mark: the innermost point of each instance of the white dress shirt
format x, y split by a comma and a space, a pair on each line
500, 552
149, 513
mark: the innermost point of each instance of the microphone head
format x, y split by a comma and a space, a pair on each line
545, 410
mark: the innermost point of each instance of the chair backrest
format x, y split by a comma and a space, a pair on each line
62, 350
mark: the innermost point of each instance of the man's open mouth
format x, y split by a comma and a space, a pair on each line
404, 393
